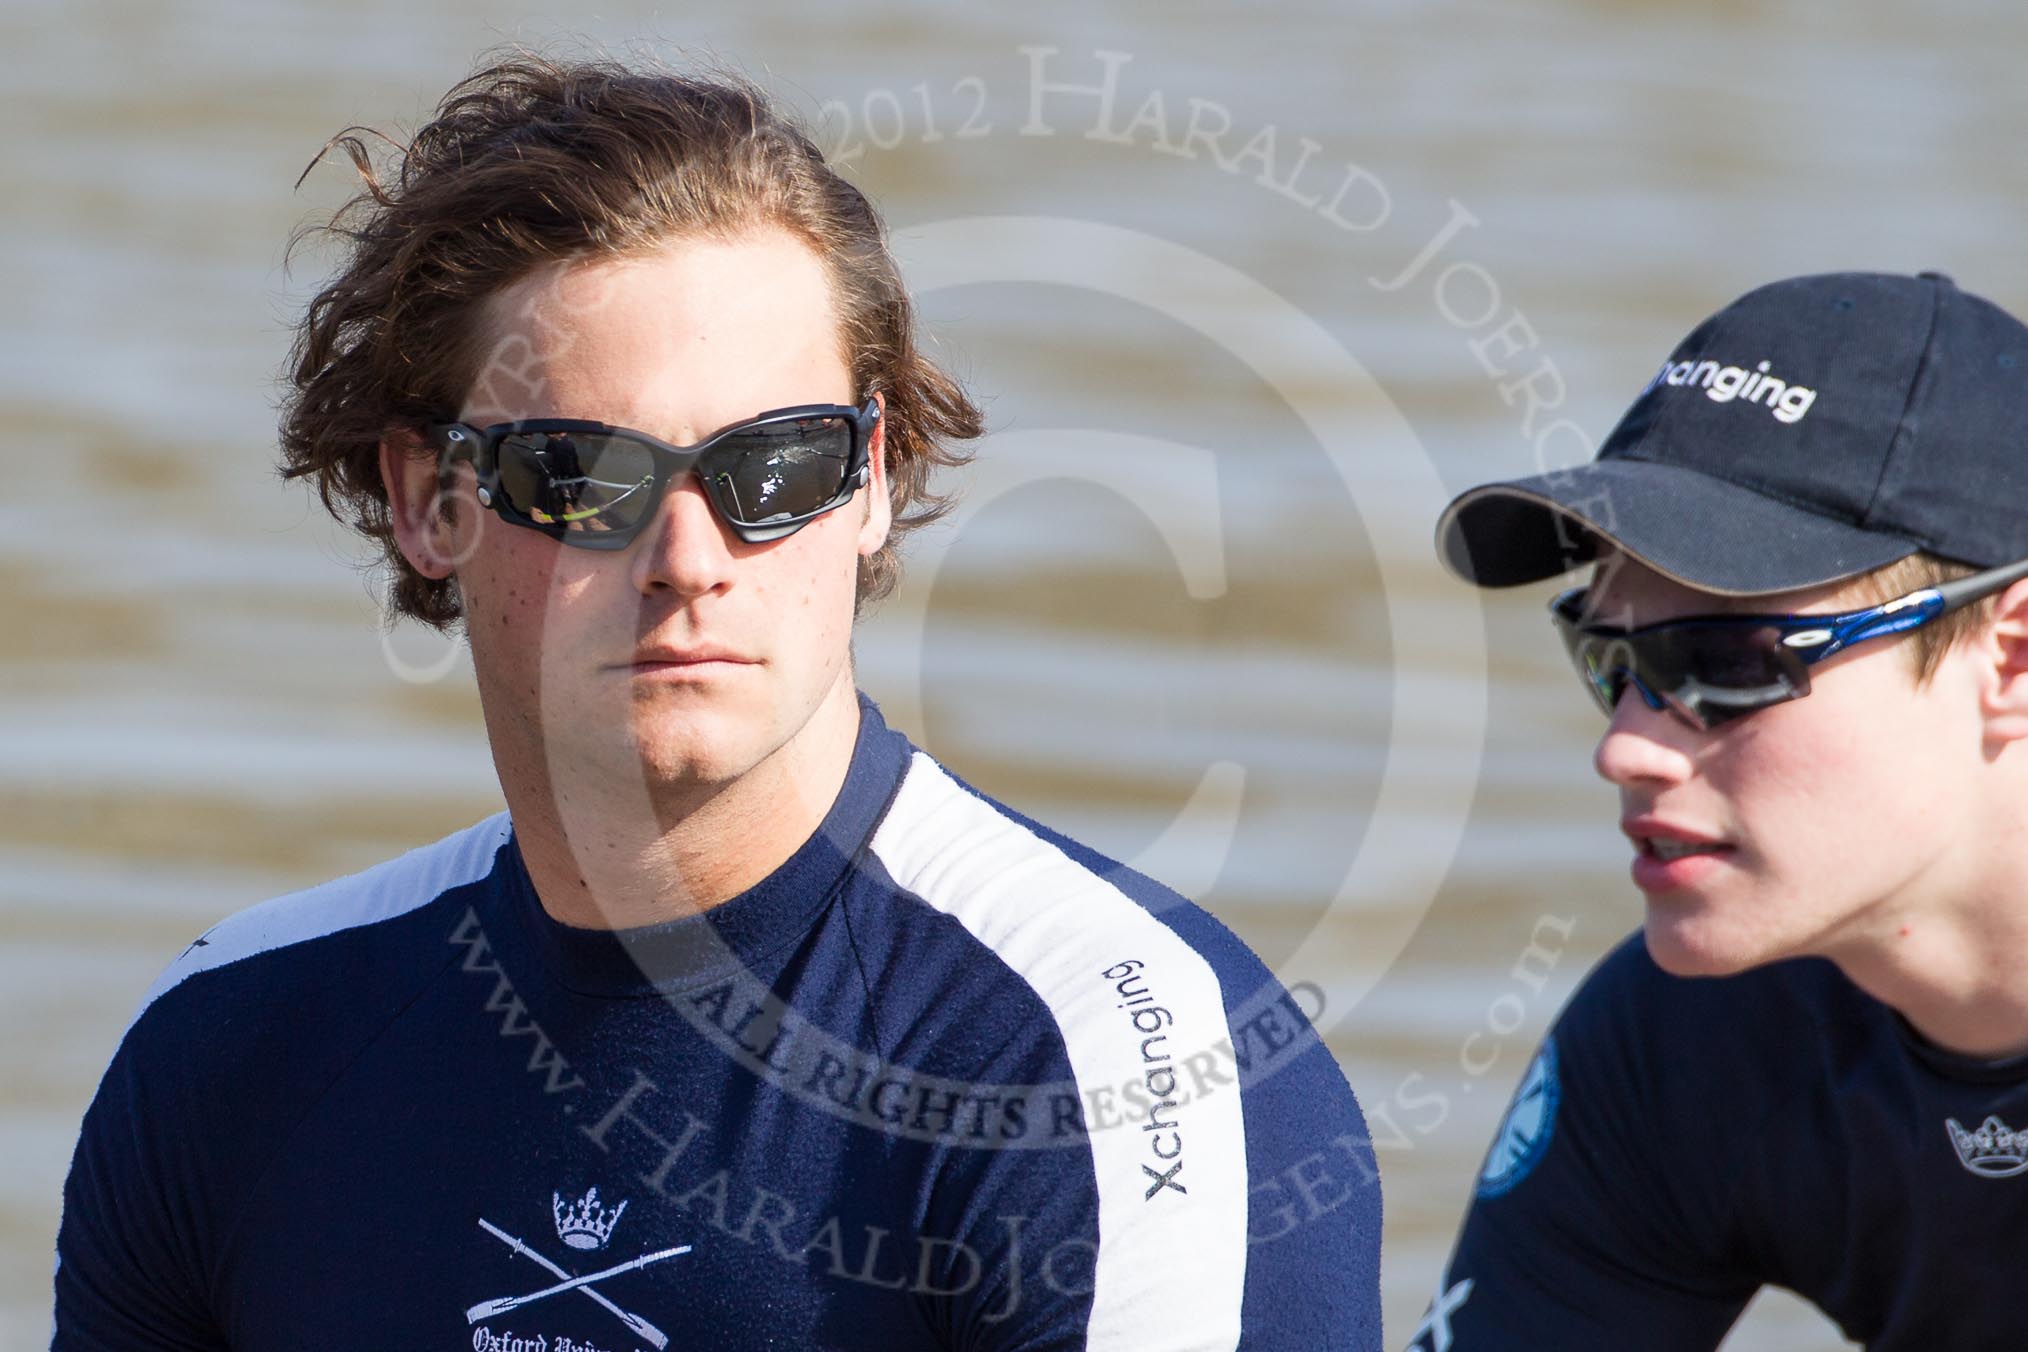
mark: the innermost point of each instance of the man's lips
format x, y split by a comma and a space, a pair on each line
1651, 835
1668, 856
649, 660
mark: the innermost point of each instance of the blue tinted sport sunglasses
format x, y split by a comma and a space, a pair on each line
1709, 669
593, 485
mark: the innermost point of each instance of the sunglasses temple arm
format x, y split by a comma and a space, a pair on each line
1978, 586
454, 442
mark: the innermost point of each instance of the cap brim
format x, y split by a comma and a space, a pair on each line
1700, 531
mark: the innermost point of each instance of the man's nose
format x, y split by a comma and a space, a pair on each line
1643, 745
685, 548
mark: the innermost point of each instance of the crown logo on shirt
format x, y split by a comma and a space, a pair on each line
584, 1224
1995, 1150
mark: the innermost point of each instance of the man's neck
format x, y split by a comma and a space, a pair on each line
1955, 974
602, 860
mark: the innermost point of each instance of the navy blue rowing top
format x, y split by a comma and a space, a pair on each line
944, 1080
1677, 1144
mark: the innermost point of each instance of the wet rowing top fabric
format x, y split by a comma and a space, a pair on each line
1679, 1143
944, 1080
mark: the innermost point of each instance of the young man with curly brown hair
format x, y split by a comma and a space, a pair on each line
747, 1025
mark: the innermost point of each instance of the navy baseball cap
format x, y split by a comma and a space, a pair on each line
1815, 429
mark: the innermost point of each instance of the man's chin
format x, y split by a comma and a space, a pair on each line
690, 768
1694, 946
651, 764
705, 745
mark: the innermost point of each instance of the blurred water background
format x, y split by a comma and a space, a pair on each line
1189, 614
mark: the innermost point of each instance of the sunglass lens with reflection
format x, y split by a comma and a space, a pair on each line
580, 481
779, 471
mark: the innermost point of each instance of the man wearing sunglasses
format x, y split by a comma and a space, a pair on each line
1807, 623
747, 1025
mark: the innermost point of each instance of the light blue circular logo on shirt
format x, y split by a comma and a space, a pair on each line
1524, 1134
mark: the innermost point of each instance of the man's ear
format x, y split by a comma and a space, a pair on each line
879, 507
416, 502
2003, 646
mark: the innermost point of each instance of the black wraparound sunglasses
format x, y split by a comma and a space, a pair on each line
1706, 670
594, 486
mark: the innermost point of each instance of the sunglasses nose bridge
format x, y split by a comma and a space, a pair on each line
1611, 668
1648, 695
682, 546
687, 477
674, 471
1616, 681
1615, 671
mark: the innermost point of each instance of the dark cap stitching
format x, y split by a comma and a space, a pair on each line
1903, 437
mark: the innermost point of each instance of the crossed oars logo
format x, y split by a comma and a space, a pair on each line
582, 1226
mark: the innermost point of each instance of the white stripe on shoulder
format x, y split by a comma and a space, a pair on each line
1131, 1000
394, 887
